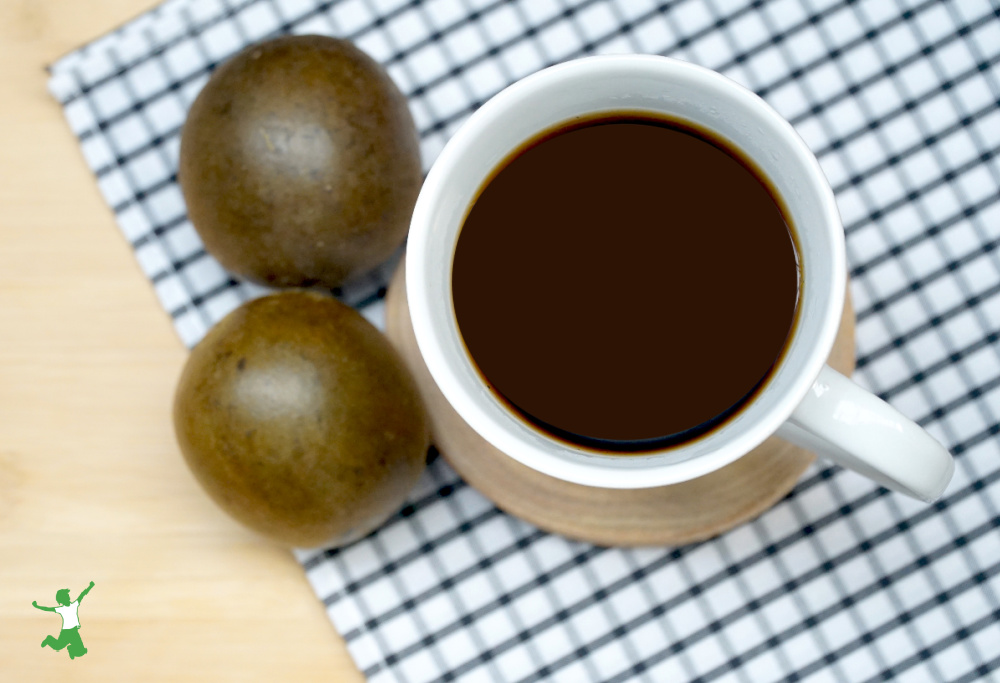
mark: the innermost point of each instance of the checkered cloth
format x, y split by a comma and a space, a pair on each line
841, 581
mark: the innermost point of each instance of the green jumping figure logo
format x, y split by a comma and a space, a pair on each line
69, 637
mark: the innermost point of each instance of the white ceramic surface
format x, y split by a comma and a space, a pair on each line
803, 400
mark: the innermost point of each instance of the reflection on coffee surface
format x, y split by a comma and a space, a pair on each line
625, 282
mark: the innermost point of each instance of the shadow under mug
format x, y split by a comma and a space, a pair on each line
803, 400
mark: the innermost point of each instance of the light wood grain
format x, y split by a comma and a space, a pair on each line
664, 515
92, 486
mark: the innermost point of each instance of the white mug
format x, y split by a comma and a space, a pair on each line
803, 400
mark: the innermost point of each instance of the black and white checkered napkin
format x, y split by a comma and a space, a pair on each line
841, 581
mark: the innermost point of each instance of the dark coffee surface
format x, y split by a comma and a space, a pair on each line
625, 281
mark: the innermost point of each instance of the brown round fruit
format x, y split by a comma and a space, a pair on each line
300, 163
300, 420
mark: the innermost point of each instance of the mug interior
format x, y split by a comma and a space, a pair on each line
613, 84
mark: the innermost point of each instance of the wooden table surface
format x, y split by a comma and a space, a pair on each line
92, 485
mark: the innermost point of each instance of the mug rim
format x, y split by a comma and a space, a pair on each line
605, 471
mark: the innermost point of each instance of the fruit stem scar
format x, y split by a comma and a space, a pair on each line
267, 139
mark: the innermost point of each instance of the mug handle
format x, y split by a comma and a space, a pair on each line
841, 421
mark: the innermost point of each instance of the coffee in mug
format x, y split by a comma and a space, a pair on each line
626, 281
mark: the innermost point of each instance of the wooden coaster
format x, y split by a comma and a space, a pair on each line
665, 515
